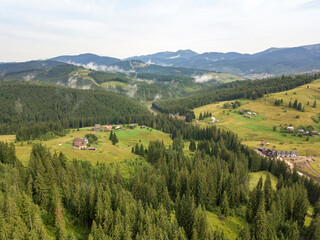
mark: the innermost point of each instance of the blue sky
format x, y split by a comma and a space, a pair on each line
39, 29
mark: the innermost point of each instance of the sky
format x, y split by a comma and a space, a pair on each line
41, 29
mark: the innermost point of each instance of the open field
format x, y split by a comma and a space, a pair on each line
106, 152
260, 127
231, 225
254, 178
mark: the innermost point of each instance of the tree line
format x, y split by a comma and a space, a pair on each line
234, 90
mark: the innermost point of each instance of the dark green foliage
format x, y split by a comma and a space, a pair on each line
113, 137
92, 138
192, 146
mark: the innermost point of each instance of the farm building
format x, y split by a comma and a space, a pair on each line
290, 129
108, 127
97, 127
213, 119
80, 143
300, 131
272, 153
92, 148
314, 133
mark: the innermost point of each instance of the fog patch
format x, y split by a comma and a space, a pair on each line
202, 78
72, 82
149, 81
157, 97
132, 90
18, 106
85, 87
103, 68
28, 77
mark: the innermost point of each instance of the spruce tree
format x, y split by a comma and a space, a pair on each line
224, 207
259, 223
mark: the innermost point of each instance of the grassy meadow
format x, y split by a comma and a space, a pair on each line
106, 152
254, 178
260, 127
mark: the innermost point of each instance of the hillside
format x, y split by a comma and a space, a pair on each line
135, 80
269, 116
30, 109
231, 91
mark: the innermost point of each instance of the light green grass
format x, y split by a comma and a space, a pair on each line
260, 127
230, 225
316, 164
106, 152
254, 178
113, 84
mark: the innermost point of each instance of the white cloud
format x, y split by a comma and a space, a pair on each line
203, 78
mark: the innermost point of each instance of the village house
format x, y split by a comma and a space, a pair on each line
213, 119
97, 127
314, 133
143, 126
92, 148
300, 131
108, 128
272, 153
290, 128
80, 143
118, 127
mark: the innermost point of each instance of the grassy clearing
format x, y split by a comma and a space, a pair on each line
113, 84
106, 152
260, 127
255, 176
231, 225
316, 164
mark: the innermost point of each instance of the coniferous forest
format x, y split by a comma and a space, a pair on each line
165, 199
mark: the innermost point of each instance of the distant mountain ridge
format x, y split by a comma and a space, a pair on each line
272, 61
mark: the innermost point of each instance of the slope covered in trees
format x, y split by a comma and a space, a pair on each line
231, 91
31, 110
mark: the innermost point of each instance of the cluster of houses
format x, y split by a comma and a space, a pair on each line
249, 115
302, 131
177, 116
98, 127
272, 153
213, 120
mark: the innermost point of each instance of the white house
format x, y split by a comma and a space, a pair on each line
290, 128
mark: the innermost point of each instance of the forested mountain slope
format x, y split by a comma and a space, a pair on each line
132, 78
31, 110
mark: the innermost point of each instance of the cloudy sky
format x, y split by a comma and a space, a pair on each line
38, 29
